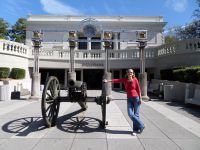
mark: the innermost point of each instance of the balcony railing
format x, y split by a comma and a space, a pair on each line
59, 53
13, 48
185, 46
93, 54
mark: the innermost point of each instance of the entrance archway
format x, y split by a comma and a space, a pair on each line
93, 78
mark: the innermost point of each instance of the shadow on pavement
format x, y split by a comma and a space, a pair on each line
67, 123
78, 124
24, 126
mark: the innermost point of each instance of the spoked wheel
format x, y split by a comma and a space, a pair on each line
50, 101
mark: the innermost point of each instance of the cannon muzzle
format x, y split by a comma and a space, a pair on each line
74, 83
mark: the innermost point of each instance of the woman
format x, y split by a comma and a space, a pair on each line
134, 99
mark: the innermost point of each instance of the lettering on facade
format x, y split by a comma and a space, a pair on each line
92, 64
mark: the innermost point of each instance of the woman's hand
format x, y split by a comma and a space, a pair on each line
140, 101
105, 80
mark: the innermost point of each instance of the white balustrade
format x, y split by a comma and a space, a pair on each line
13, 48
57, 52
93, 54
184, 46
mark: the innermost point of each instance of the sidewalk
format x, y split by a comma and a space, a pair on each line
169, 126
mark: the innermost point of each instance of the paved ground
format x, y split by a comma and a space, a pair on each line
169, 126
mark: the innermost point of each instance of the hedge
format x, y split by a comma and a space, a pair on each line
182, 74
17, 73
4, 72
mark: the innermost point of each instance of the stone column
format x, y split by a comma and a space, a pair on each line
102, 43
89, 43
143, 74
35, 87
115, 46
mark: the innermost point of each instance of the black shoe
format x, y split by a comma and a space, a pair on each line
140, 130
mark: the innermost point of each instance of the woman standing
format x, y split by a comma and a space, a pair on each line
134, 99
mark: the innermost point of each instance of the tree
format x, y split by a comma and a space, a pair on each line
187, 32
190, 30
18, 31
4, 29
170, 39
196, 12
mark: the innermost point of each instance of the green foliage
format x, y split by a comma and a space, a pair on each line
182, 74
17, 73
198, 76
4, 72
187, 74
3, 29
18, 31
170, 39
179, 75
187, 32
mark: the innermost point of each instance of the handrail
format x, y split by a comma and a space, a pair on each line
13, 48
60, 53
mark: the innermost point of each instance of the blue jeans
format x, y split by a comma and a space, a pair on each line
133, 107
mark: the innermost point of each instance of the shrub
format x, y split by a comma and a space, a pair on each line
188, 74
179, 75
191, 75
198, 76
17, 73
4, 72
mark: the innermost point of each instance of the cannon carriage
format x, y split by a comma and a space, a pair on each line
77, 92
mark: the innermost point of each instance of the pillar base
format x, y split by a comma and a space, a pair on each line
143, 86
35, 98
35, 90
145, 98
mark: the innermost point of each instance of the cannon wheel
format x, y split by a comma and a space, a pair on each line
50, 101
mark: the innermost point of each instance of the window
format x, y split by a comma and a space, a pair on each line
82, 45
96, 45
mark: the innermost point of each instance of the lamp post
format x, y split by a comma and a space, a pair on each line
72, 45
142, 42
35, 89
107, 88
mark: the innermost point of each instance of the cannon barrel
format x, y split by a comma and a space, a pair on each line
74, 83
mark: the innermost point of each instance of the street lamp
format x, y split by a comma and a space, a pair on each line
142, 42
35, 90
107, 44
72, 44
107, 88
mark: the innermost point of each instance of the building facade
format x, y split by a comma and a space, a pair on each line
90, 51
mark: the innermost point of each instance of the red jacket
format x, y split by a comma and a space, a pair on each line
132, 88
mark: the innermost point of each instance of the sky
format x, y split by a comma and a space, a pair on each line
174, 12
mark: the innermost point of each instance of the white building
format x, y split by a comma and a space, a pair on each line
90, 53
